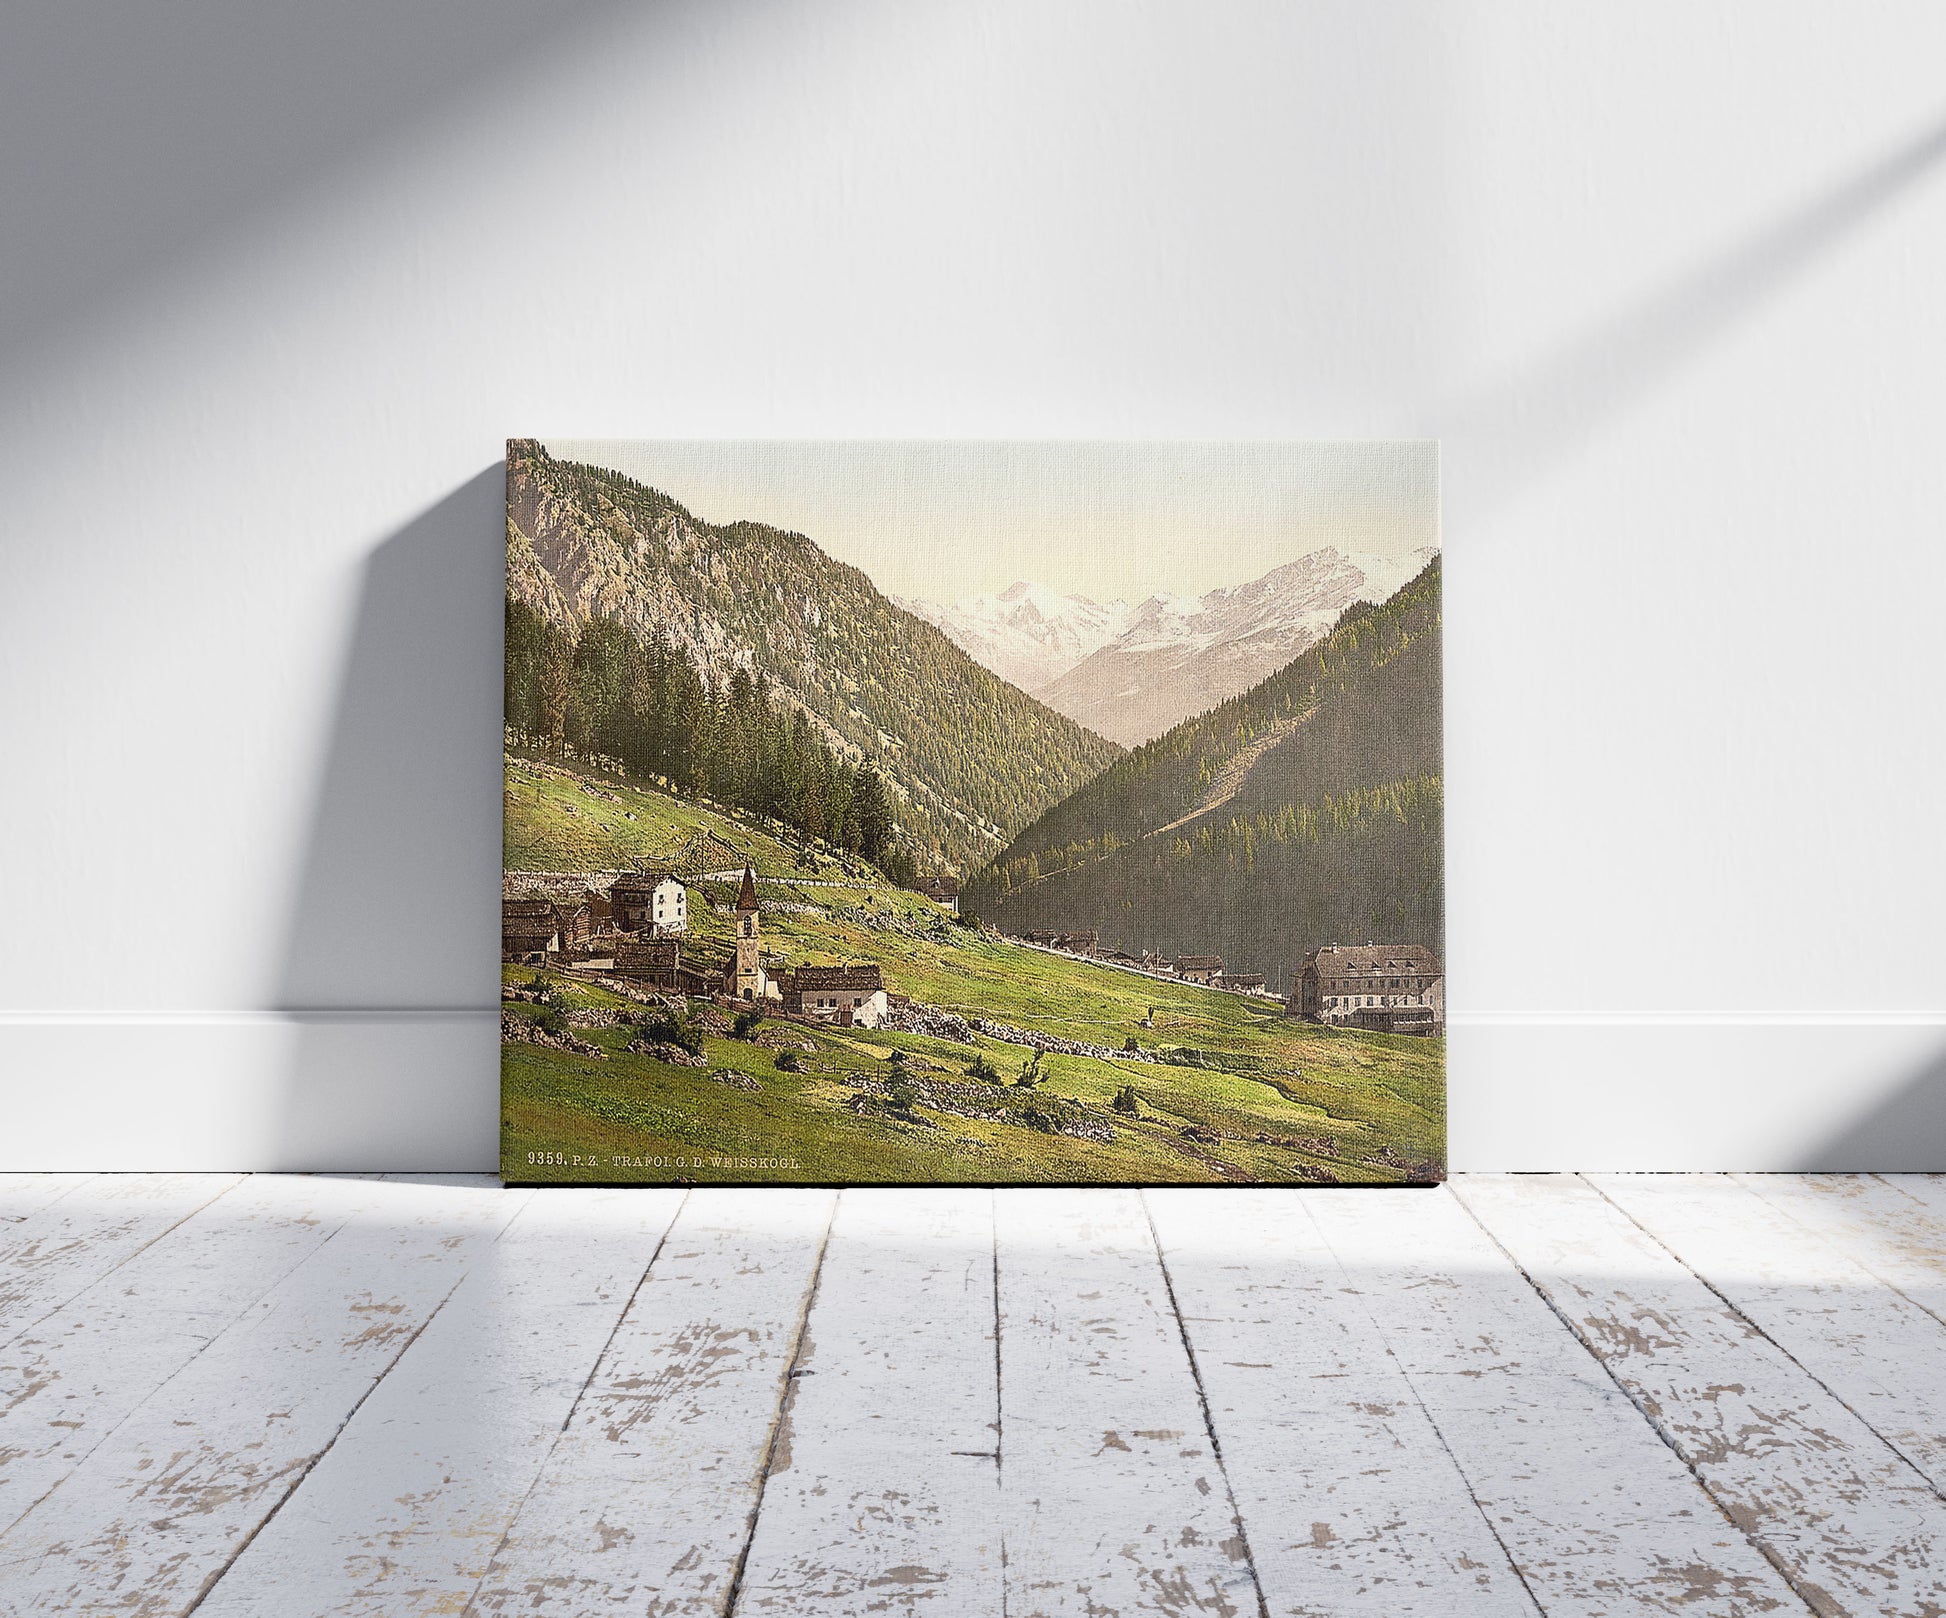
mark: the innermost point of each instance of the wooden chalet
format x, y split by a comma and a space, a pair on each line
1086, 941
529, 931
1199, 968
658, 963
575, 919
942, 890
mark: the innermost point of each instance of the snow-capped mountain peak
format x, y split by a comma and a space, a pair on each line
1180, 655
1130, 673
1027, 634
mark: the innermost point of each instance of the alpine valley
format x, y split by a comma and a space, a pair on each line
1303, 811
603, 571
1130, 673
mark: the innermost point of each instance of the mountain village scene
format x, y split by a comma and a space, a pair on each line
808, 882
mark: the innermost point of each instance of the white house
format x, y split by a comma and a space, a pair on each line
851, 996
650, 902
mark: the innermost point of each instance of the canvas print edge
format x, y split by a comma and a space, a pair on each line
753, 884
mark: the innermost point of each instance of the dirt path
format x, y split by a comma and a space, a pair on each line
1228, 783
1227, 1171
1229, 780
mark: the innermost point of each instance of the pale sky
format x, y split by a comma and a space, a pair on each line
944, 520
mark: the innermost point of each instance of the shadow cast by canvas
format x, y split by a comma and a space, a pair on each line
390, 961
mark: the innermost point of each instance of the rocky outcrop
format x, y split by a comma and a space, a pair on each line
735, 1079
658, 1050
782, 1039
1035, 1040
522, 1031
930, 1021
1050, 1115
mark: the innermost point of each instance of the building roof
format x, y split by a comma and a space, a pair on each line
863, 975
1199, 963
640, 881
747, 894
664, 954
1242, 977
554, 884
939, 886
1372, 960
531, 920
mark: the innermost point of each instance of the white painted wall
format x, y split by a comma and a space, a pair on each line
1664, 277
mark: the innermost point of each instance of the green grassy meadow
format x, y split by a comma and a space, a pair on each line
1252, 1095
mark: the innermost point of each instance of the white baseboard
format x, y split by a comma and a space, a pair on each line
1750, 1092
418, 1090
250, 1090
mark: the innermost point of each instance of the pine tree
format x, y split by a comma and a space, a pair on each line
871, 811
555, 686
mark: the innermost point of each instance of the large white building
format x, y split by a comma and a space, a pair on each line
1395, 988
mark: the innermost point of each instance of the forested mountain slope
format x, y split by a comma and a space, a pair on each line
1306, 810
966, 757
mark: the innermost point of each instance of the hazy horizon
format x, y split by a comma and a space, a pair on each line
941, 520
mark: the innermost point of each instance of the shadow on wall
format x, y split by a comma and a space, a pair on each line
1906, 1133
1508, 436
391, 959
157, 131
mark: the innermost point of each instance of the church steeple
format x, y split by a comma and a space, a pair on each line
745, 977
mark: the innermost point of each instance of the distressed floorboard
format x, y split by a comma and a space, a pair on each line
163, 1505
1113, 1500
1877, 1352
1929, 1190
1351, 1503
1599, 1516
645, 1504
404, 1513
1701, 1395
1854, 1525
883, 1493
1894, 1224
69, 1380
67, 1244
23, 1194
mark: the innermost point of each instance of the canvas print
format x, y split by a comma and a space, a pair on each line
977, 813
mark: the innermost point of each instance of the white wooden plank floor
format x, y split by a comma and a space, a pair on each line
1524, 1395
